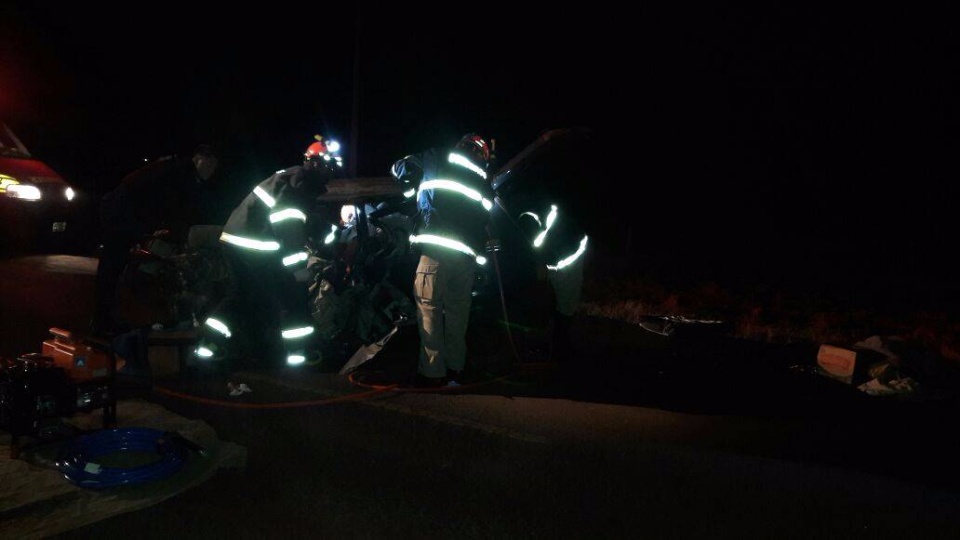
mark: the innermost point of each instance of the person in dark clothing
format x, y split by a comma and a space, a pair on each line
167, 193
548, 194
265, 241
454, 201
559, 246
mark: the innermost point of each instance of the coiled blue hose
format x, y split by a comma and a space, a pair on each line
79, 460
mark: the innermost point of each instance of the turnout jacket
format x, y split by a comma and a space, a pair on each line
272, 219
453, 199
556, 238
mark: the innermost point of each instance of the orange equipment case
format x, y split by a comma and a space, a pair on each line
80, 360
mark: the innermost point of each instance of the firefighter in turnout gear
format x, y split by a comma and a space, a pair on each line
265, 240
559, 245
454, 201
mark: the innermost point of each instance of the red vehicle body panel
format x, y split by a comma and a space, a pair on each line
28, 169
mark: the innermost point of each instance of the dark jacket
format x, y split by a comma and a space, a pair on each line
445, 209
165, 193
273, 219
559, 237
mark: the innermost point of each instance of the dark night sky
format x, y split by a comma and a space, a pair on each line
799, 133
262, 83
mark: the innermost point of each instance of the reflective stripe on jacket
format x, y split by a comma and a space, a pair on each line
273, 217
453, 197
556, 239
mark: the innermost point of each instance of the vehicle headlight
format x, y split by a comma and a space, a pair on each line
24, 191
11, 187
69, 193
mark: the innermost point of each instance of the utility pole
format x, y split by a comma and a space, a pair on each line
355, 117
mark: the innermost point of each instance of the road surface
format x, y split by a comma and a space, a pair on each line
653, 437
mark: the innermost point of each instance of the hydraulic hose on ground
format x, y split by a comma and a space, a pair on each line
80, 461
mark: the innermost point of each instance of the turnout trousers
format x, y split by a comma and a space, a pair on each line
442, 290
567, 286
263, 300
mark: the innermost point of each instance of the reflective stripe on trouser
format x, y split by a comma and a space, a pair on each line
567, 285
297, 336
442, 289
260, 293
217, 330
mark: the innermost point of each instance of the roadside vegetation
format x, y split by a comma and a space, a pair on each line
772, 316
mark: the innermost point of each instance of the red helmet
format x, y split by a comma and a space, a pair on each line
324, 152
317, 149
476, 147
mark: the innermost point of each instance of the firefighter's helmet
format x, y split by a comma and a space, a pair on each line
475, 147
323, 152
315, 150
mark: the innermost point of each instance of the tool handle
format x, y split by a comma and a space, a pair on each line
180, 439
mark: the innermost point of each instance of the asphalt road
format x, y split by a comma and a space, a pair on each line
688, 436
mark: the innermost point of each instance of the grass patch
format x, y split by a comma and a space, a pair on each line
768, 315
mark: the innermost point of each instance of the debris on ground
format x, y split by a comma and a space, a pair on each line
668, 325
899, 366
874, 387
895, 366
238, 389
